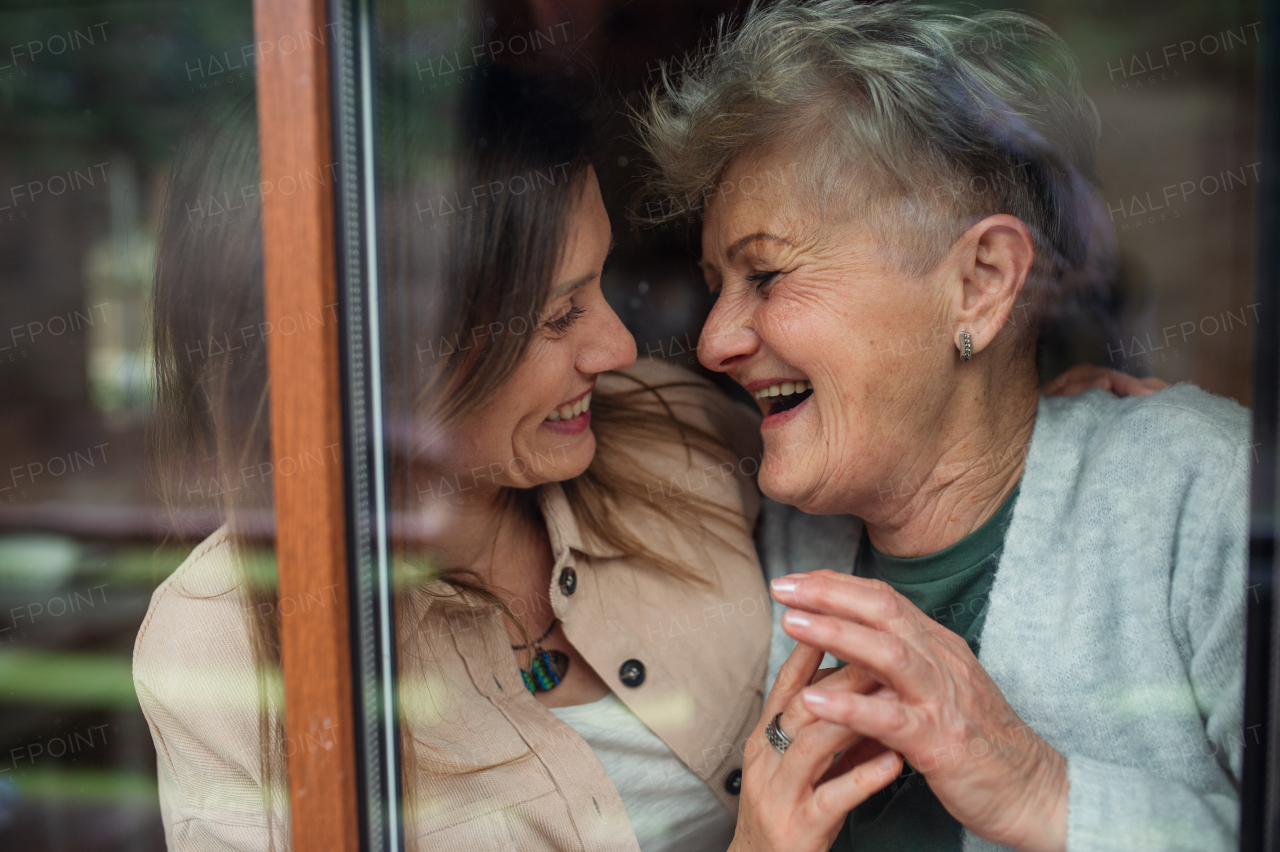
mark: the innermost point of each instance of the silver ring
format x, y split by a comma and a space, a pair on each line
776, 736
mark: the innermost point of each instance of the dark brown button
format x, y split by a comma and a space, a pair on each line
568, 581
631, 673
733, 783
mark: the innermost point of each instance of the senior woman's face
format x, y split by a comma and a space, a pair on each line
842, 350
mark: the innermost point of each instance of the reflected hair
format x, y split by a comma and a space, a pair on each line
212, 421
917, 121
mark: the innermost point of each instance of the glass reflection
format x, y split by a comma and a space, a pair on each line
112, 244
532, 442
581, 434
207, 659
912, 225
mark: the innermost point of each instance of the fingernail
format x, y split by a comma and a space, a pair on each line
887, 761
815, 697
792, 618
786, 585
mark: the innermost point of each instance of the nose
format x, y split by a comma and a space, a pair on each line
607, 343
727, 337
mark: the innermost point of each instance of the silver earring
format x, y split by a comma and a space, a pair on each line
968, 345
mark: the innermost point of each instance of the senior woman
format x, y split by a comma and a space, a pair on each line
1048, 593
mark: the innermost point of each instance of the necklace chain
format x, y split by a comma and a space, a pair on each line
537, 641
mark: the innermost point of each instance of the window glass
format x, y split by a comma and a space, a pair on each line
646, 312
136, 560
680, 299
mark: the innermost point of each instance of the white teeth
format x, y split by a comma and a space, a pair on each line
568, 412
783, 389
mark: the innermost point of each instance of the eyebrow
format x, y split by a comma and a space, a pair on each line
564, 288
567, 287
751, 238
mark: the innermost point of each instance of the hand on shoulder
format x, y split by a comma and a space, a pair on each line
1085, 377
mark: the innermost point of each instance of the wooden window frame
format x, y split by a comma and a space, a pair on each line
300, 279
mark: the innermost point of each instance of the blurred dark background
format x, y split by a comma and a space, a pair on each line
94, 98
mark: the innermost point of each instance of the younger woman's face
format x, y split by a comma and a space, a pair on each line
538, 427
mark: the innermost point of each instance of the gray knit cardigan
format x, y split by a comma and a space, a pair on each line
1115, 626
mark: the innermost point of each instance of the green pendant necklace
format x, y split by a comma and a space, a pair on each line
547, 668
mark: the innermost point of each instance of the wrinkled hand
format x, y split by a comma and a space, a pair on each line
1083, 377
942, 711
797, 802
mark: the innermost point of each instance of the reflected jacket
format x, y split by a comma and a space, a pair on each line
492, 767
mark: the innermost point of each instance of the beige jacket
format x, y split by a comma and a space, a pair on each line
494, 769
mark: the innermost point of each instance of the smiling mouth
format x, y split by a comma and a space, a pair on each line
571, 411
783, 396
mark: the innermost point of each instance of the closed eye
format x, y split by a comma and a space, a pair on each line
562, 323
762, 279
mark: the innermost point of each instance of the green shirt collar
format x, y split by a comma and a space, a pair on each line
956, 559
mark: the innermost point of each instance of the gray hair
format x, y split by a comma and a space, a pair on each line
949, 119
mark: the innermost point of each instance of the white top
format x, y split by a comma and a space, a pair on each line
670, 808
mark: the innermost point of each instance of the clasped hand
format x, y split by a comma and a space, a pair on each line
797, 801
915, 688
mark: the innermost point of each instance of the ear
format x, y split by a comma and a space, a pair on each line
992, 261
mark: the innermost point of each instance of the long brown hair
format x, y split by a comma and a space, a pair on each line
212, 420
